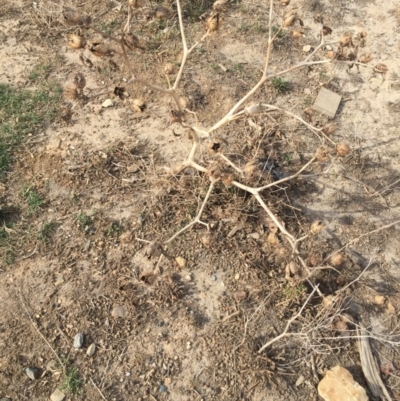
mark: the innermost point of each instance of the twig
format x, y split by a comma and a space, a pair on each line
291, 320
101, 394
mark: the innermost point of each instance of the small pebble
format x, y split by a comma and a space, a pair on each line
32, 373
78, 340
119, 311
108, 103
213, 277
180, 261
58, 395
300, 380
91, 350
237, 276
254, 236
162, 389
306, 48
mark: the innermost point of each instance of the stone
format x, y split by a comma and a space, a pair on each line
180, 261
108, 103
306, 48
91, 350
78, 340
327, 102
32, 373
57, 395
119, 311
162, 389
339, 385
379, 300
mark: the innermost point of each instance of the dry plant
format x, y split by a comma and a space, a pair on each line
220, 168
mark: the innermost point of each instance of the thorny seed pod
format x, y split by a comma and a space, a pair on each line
337, 259
162, 12
289, 20
74, 17
285, 2
135, 3
169, 68
326, 30
220, 5
70, 92
79, 80
322, 154
331, 54
381, 68
319, 19
214, 147
214, 172
343, 149
273, 239
281, 252
317, 226
205, 239
175, 116
252, 108
345, 40
184, 102
330, 128
314, 259
138, 105
212, 22
132, 41
309, 112
75, 41
365, 58
227, 179
100, 50
297, 34
240, 295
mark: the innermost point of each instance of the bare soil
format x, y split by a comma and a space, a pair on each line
193, 332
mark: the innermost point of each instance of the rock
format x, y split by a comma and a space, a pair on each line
180, 261
58, 395
327, 102
33, 373
254, 236
339, 385
78, 340
119, 311
306, 48
300, 380
162, 389
108, 103
91, 350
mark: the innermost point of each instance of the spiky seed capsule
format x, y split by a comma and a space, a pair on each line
381, 68
326, 30
345, 40
227, 179
252, 108
273, 239
220, 5
175, 116
331, 54
205, 239
329, 128
317, 226
100, 50
314, 259
75, 41
340, 325
212, 22
322, 154
214, 173
162, 12
337, 259
365, 58
297, 34
169, 68
135, 3
79, 80
184, 102
289, 20
138, 105
70, 92
132, 41
74, 17
343, 149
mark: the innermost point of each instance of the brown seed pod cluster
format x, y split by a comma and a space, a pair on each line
99, 49
212, 22
75, 41
316, 227
329, 128
337, 259
343, 149
290, 19
73, 17
169, 68
138, 105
